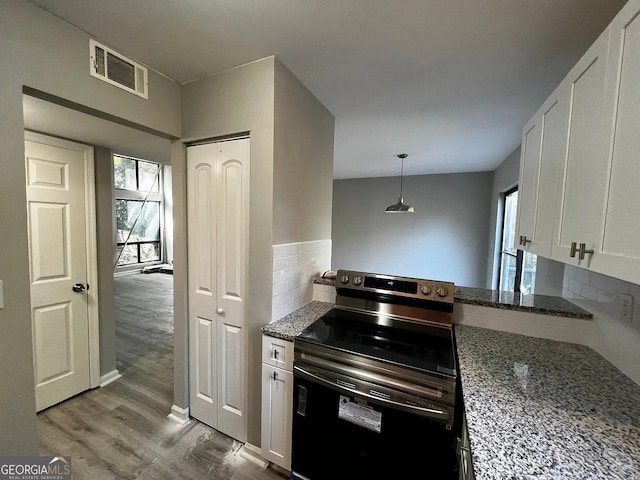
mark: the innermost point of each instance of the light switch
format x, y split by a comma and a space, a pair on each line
1, 296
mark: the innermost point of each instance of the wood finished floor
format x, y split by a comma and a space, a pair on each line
122, 430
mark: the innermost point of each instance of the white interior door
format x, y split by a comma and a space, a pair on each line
218, 204
57, 219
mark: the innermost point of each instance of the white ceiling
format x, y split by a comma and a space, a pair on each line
450, 82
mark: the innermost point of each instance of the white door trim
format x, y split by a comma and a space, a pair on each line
92, 247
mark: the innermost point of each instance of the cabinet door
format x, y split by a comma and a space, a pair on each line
277, 352
584, 177
620, 249
528, 183
543, 146
277, 404
554, 141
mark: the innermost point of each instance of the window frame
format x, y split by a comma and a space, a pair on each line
139, 196
519, 255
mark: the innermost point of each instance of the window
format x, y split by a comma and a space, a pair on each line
517, 268
139, 210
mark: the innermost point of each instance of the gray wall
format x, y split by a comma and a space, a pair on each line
445, 239
303, 162
235, 101
42, 52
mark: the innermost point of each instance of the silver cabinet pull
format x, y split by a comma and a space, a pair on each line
574, 248
582, 251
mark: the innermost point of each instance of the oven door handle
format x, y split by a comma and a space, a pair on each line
441, 415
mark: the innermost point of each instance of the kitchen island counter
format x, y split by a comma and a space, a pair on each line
538, 408
533, 303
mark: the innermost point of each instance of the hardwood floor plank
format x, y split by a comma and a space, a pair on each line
121, 431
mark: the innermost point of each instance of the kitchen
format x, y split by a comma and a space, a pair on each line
161, 124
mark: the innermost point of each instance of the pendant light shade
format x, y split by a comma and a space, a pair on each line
400, 207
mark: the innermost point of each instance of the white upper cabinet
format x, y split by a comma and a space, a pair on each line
528, 183
583, 177
543, 144
580, 164
619, 252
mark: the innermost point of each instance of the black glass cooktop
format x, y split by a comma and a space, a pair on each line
424, 347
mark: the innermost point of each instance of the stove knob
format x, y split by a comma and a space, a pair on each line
442, 292
344, 279
357, 280
426, 290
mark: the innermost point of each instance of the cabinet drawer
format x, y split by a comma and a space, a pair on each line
277, 352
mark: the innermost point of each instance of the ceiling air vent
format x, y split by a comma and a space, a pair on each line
117, 69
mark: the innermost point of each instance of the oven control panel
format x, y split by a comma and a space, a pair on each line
434, 290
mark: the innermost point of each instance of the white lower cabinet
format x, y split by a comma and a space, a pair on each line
277, 400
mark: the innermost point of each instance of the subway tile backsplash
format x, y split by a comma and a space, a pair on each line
614, 337
295, 265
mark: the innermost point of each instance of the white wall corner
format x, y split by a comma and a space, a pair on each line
110, 377
179, 415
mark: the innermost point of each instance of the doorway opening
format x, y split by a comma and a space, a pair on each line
108, 138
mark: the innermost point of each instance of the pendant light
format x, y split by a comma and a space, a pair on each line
400, 207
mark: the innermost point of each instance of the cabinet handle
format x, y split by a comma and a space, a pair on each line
524, 240
275, 354
275, 376
574, 248
582, 251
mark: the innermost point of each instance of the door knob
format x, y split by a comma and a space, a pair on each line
78, 288
220, 311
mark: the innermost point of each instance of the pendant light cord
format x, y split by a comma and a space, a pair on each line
401, 174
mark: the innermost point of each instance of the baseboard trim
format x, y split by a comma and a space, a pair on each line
179, 414
253, 454
110, 377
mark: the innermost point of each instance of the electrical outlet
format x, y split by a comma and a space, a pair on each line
626, 307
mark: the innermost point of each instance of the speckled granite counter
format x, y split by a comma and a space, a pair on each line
544, 304
541, 409
290, 325
485, 297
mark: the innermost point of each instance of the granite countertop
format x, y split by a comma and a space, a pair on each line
545, 304
290, 325
543, 409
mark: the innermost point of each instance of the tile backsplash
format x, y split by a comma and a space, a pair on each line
614, 336
295, 265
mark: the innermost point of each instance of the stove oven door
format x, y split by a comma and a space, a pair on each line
340, 435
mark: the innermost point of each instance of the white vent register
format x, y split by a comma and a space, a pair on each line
117, 69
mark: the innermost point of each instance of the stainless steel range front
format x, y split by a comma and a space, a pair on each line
375, 381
